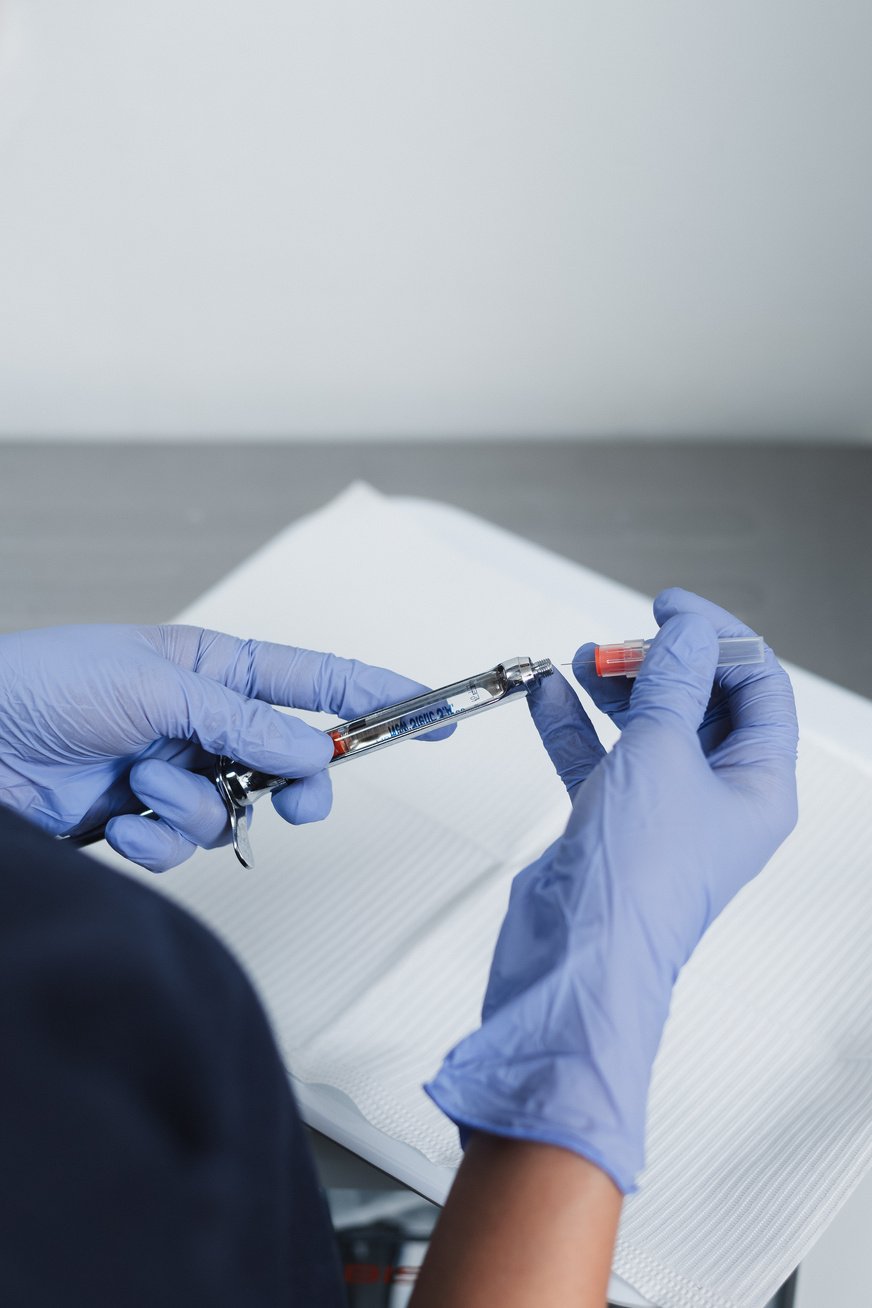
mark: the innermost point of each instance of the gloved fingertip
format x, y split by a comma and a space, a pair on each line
152, 844
675, 599
565, 729
312, 747
188, 803
678, 673
552, 697
688, 637
611, 695
282, 744
672, 600
158, 784
124, 835
308, 800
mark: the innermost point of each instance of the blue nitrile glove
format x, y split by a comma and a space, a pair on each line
104, 720
663, 832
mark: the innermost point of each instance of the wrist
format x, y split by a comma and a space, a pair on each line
524, 1224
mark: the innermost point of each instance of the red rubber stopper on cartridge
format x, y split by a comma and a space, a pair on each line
340, 745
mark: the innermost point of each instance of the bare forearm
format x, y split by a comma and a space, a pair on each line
525, 1224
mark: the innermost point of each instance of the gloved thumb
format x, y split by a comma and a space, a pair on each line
190, 706
675, 680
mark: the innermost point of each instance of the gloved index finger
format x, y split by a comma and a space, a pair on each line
184, 705
567, 732
351, 689
289, 676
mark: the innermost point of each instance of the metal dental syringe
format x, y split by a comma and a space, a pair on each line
240, 786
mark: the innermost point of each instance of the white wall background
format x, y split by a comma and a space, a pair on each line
392, 217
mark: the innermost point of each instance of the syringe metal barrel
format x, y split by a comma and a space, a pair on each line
412, 717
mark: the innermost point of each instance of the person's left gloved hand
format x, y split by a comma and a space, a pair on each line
98, 722
692, 801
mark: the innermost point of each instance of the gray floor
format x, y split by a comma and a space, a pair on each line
776, 532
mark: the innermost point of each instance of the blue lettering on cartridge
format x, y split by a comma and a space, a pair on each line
428, 717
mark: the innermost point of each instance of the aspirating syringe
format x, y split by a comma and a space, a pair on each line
240, 786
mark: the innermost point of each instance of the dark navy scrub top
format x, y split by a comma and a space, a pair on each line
150, 1150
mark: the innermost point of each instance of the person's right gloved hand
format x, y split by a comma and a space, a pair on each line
691, 803
99, 721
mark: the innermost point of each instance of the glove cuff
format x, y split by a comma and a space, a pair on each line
561, 1070
616, 1147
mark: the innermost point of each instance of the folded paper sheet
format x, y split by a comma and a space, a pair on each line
370, 936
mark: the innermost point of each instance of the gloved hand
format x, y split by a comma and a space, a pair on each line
104, 720
689, 806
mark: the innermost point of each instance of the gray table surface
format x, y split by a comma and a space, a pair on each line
778, 533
